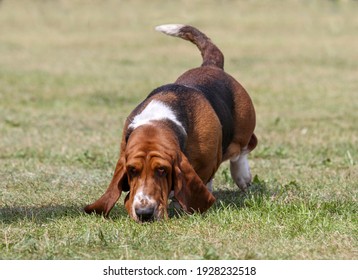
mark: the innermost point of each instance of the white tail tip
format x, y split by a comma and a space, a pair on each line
170, 29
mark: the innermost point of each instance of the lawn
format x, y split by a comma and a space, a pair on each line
70, 73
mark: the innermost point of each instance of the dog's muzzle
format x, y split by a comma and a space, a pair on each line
144, 208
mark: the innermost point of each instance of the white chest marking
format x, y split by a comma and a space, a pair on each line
155, 111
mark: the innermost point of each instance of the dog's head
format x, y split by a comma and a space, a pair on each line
152, 166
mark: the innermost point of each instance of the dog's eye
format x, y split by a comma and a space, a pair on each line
132, 171
161, 172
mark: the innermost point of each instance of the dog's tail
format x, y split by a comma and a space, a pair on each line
210, 53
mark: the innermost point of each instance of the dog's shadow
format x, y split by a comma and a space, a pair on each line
235, 197
231, 195
43, 214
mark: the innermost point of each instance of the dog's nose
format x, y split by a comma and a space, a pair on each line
144, 207
145, 214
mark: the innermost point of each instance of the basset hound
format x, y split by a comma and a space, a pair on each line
175, 140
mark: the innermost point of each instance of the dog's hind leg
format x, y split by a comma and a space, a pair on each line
240, 170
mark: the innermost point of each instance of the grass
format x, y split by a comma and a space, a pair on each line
71, 71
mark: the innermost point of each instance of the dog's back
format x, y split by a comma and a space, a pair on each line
226, 96
231, 102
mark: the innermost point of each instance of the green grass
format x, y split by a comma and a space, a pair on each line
71, 71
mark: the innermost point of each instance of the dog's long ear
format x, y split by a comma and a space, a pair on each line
106, 202
189, 189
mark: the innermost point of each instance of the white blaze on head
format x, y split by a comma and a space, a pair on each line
155, 111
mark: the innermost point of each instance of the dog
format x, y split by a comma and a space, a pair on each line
175, 140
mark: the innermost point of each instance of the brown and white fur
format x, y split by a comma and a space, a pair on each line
175, 140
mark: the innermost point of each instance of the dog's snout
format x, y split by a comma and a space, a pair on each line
144, 207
